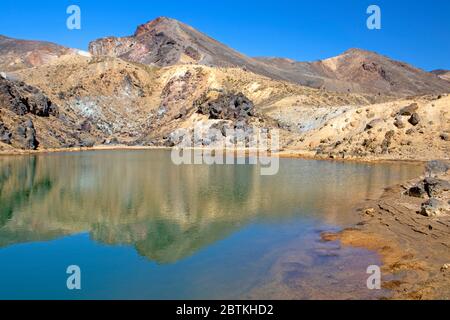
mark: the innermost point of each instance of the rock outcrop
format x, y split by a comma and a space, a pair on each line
21, 107
26, 135
21, 99
235, 107
435, 187
5, 135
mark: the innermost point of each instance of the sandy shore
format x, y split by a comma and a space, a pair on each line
77, 149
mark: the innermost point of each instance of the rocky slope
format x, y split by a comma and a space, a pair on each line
362, 71
414, 129
166, 42
112, 101
443, 74
19, 54
131, 103
30, 120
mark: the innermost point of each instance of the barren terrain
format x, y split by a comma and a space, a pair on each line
140, 91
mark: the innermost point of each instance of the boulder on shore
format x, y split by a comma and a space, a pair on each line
432, 208
434, 186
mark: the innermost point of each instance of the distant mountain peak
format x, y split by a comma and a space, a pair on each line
165, 41
359, 51
158, 23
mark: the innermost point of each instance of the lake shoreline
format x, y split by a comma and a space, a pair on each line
413, 247
285, 154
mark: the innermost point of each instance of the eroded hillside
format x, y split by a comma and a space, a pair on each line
108, 100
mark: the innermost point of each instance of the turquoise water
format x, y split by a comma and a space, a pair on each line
140, 227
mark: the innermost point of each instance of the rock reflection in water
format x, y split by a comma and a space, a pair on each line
141, 227
169, 212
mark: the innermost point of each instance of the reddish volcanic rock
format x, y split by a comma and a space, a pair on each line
20, 54
152, 25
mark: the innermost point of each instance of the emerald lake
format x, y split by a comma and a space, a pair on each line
140, 227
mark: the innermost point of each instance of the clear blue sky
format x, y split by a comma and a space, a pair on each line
415, 31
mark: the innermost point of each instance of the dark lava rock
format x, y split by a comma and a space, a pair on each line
222, 127
85, 126
434, 186
10, 98
87, 143
417, 191
409, 110
5, 138
26, 135
68, 145
21, 99
415, 119
227, 107
5, 135
445, 136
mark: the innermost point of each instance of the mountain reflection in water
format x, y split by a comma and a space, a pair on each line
169, 213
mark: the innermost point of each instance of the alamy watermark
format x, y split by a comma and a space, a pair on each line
253, 146
74, 280
374, 20
73, 22
374, 281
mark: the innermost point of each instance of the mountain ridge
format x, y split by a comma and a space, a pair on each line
18, 54
165, 41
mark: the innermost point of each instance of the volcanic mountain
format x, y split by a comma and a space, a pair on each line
165, 42
359, 70
19, 54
